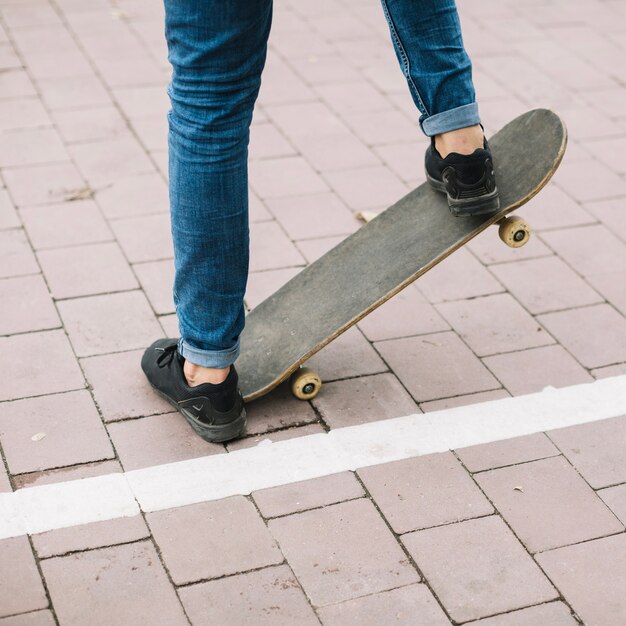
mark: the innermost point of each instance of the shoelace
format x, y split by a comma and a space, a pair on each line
167, 356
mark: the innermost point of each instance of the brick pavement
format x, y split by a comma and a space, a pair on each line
524, 531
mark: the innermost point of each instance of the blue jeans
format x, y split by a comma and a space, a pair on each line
217, 50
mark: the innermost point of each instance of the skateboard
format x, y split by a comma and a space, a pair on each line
384, 256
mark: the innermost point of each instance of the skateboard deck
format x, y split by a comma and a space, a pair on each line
384, 256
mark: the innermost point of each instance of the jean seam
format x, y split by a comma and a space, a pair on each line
406, 67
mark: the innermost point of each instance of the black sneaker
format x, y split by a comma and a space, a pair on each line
215, 412
467, 179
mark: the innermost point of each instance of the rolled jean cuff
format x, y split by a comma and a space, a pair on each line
460, 117
208, 358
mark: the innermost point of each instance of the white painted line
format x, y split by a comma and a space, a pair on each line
38, 509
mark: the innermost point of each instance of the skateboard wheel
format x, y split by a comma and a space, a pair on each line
305, 383
514, 231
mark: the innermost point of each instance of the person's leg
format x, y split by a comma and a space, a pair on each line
426, 35
217, 51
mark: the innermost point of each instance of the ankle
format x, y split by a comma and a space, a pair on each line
198, 375
461, 141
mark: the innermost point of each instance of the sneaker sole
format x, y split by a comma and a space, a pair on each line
468, 207
214, 434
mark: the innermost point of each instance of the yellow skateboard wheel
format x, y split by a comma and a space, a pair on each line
305, 383
514, 231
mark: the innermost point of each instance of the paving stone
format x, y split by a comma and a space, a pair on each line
281, 85
457, 401
262, 285
8, 214
272, 437
109, 323
22, 113
317, 215
547, 504
86, 270
158, 439
347, 356
102, 162
591, 576
42, 184
612, 285
90, 536
270, 248
477, 568
52, 431
406, 606
73, 91
142, 100
553, 208
58, 64
65, 224
362, 400
530, 371
436, 366
404, 159
212, 539
38, 618
21, 589
30, 146
16, 256
313, 249
611, 370
588, 179
157, 282
364, 188
307, 494
594, 335
331, 552
424, 491
76, 472
269, 597
285, 176
95, 122
553, 613
132, 196
494, 324
267, 142
405, 314
611, 214
124, 584
121, 388
31, 376
353, 98
15, 84
559, 287
596, 450
26, 306
489, 249
146, 238
152, 132
278, 409
609, 151
615, 499
458, 277
257, 211
496, 454
383, 127
5, 485
588, 249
